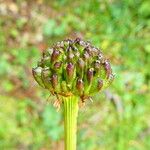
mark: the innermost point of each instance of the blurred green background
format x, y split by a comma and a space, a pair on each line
119, 118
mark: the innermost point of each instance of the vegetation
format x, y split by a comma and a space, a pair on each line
119, 117
72, 71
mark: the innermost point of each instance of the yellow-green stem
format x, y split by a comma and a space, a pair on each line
70, 121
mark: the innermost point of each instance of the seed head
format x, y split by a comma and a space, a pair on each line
75, 67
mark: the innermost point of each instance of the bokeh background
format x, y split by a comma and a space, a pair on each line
119, 118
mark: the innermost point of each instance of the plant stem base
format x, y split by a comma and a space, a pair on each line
70, 121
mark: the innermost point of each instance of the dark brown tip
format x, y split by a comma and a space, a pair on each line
107, 68
54, 80
55, 55
68, 42
77, 40
70, 70
90, 74
100, 84
57, 65
80, 85
88, 50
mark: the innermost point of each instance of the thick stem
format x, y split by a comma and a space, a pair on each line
70, 121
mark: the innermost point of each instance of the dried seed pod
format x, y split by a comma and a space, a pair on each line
80, 68
81, 63
45, 76
37, 75
80, 86
54, 80
107, 68
97, 65
70, 71
77, 40
73, 67
90, 75
57, 65
100, 85
55, 55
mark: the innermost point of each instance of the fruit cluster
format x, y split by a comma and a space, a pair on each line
73, 67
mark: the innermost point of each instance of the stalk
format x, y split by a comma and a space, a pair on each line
70, 121
73, 70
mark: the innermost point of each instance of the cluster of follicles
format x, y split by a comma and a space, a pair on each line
73, 67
